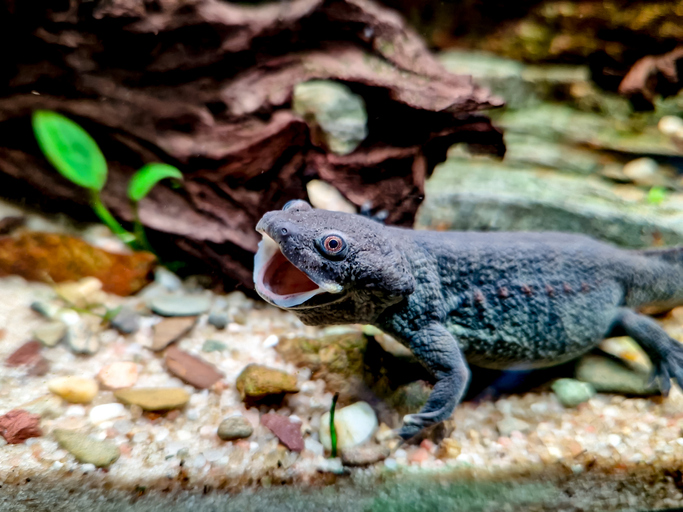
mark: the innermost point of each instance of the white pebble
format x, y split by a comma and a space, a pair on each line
123, 426
271, 341
173, 448
107, 412
199, 461
161, 434
400, 454
314, 446
355, 424
390, 464
614, 440
253, 446
183, 435
56, 465
88, 468
140, 437
76, 411
193, 414
213, 454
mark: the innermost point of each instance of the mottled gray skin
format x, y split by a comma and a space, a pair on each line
496, 300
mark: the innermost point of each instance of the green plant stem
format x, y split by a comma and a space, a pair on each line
333, 429
109, 220
139, 229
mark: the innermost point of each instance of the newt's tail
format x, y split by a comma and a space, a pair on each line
671, 255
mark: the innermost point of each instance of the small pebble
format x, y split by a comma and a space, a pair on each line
167, 279
47, 309
191, 369
171, 329
87, 449
355, 424
47, 407
77, 390
287, 431
107, 412
271, 341
82, 293
219, 319
118, 375
364, 455
18, 425
180, 305
511, 424
572, 392
126, 321
153, 399
213, 346
50, 334
81, 340
257, 382
234, 427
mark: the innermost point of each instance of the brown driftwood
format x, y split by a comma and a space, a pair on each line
652, 75
206, 85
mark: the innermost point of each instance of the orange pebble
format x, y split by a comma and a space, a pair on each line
419, 456
119, 375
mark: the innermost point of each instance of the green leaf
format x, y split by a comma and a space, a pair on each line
70, 149
657, 195
144, 180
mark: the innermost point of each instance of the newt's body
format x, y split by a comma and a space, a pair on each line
496, 300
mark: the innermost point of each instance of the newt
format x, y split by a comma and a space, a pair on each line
502, 300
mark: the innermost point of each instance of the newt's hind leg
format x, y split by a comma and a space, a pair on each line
665, 352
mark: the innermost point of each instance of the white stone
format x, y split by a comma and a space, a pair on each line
271, 341
354, 424
314, 446
107, 412
670, 125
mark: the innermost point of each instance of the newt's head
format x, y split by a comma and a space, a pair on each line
329, 267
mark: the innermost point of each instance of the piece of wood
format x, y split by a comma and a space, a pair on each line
206, 85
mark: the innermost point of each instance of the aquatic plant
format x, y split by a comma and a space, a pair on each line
77, 157
333, 429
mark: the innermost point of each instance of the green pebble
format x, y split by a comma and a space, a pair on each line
86, 449
213, 346
571, 392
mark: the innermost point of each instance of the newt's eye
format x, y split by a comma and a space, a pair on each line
333, 246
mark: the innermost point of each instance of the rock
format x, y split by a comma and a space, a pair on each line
47, 309
336, 115
28, 356
571, 392
510, 424
76, 390
629, 352
213, 346
10, 224
167, 279
644, 171
180, 305
219, 319
56, 258
286, 430
126, 321
118, 375
190, 369
670, 125
50, 334
234, 427
18, 425
364, 455
154, 399
86, 449
610, 376
449, 448
354, 424
324, 196
258, 382
47, 407
480, 194
81, 340
171, 329
107, 412
83, 293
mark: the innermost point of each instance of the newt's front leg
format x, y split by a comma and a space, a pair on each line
438, 351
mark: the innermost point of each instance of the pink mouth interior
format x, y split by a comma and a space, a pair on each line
283, 278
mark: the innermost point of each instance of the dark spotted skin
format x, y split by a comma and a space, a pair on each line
496, 300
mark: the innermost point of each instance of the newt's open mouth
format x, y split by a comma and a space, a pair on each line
281, 283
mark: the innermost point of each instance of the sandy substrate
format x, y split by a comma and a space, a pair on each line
604, 440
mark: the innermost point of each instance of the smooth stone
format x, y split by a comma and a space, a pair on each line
50, 334
180, 305
83, 293
335, 112
171, 329
257, 382
219, 319
354, 424
235, 427
610, 376
510, 424
107, 412
119, 375
191, 369
644, 171
286, 430
47, 309
364, 455
167, 279
126, 321
46, 406
213, 346
572, 392
153, 399
81, 340
629, 352
76, 390
87, 449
